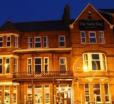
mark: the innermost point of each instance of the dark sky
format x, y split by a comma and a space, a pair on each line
38, 10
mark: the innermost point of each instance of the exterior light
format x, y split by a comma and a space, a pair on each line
85, 68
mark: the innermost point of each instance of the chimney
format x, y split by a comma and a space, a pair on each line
66, 14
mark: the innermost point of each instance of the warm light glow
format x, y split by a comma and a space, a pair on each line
85, 68
6, 65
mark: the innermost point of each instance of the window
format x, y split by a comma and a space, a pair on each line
37, 42
92, 37
62, 41
16, 42
47, 94
101, 37
38, 65
45, 41
14, 95
62, 64
83, 37
15, 65
94, 61
46, 64
1, 41
8, 41
29, 94
97, 93
0, 65
7, 95
107, 98
30, 42
87, 93
29, 65
7, 65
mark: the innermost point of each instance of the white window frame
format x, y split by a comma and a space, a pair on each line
46, 64
30, 42
7, 64
15, 65
1, 41
47, 91
101, 37
65, 63
37, 64
83, 37
89, 67
8, 41
64, 41
29, 64
45, 42
92, 37
16, 41
29, 92
15, 91
38, 42
85, 89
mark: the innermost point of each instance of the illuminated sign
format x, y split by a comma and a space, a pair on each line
91, 25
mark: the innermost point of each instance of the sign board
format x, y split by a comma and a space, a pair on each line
91, 25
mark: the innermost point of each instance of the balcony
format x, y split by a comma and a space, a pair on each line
43, 76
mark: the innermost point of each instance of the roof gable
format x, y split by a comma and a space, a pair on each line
89, 9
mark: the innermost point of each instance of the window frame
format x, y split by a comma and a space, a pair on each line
1, 64
37, 42
83, 37
92, 37
7, 64
101, 37
59, 40
30, 44
2, 41
45, 43
8, 41
46, 64
28, 70
16, 41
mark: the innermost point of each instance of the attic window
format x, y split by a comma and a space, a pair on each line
89, 14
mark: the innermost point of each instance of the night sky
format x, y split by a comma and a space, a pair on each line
40, 10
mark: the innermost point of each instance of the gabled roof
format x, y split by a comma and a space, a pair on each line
95, 11
35, 26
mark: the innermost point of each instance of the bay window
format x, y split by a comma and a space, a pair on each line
8, 41
29, 65
38, 65
7, 65
94, 61
37, 42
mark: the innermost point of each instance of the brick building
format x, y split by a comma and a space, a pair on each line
59, 62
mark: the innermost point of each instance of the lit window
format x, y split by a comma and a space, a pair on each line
87, 93
15, 65
16, 42
62, 41
45, 41
8, 41
14, 95
107, 95
29, 64
97, 92
37, 42
46, 64
101, 37
38, 65
30, 42
7, 95
7, 65
62, 64
94, 61
47, 94
1, 41
0, 65
92, 37
29, 94
83, 37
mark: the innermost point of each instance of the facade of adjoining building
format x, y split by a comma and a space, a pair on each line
59, 62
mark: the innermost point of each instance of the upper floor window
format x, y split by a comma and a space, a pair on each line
29, 65
16, 42
38, 65
101, 37
30, 42
1, 41
94, 61
92, 37
63, 64
7, 65
8, 41
46, 64
83, 37
45, 41
15, 65
37, 42
61, 40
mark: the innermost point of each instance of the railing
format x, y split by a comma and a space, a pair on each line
40, 75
